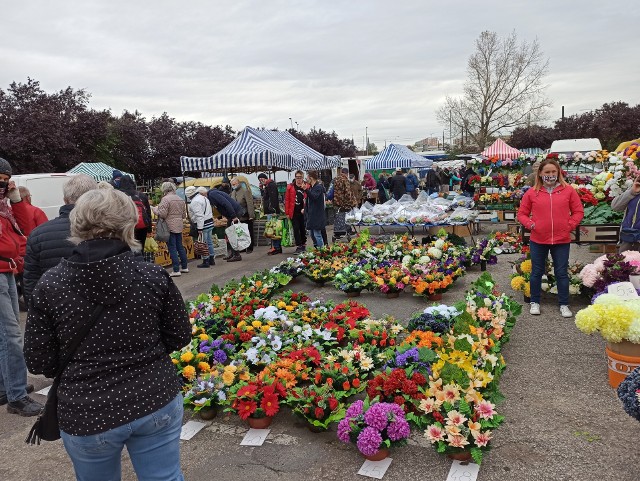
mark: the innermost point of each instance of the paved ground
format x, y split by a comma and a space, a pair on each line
563, 421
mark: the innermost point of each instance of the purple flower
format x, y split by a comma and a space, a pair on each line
344, 429
220, 356
217, 343
377, 416
204, 347
229, 347
399, 429
369, 441
354, 410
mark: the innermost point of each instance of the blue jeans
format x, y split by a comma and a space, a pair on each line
153, 444
206, 237
317, 238
13, 370
560, 256
177, 251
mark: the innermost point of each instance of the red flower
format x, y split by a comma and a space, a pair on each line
333, 403
270, 404
319, 413
318, 377
246, 408
346, 386
399, 400
249, 391
418, 378
356, 383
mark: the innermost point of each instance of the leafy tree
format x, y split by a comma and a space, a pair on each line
532, 136
128, 143
504, 89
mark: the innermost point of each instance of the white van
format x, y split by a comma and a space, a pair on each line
46, 190
569, 146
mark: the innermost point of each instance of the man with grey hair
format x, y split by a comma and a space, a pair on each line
36, 214
47, 244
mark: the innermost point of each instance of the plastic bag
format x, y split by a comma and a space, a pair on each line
162, 231
238, 236
150, 245
288, 238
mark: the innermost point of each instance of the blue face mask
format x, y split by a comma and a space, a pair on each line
549, 179
116, 182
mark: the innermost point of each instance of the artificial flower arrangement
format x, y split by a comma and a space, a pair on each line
549, 283
375, 334
629, 394
208, 392
438, 319
508, 242
317, 405
409, 350
401, 386
374, 426
484, 251
521, 278
321, 270
292, 266
352, 278
218, 351
257, 398
189, 362
609, 269
342, 377
614, 318
390, 277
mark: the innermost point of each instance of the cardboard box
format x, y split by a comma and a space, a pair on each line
509, 215
606, 234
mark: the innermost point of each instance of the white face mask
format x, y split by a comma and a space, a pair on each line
549, 179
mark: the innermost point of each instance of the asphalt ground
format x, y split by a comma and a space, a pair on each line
563, 421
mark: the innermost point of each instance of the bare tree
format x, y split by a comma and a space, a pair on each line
504, 89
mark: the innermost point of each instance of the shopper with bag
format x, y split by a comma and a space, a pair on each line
271, 207
344, 201
118, 387
316, 216
232, 211
242, 195
171, 209
201, 215
294, 199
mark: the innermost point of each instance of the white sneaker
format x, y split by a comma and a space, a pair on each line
185, 270
565, 311
535, 309
175, 274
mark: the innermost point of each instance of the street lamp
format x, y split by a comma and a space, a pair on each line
366, 140
297, 126
291, 123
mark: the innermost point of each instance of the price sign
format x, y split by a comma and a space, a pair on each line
375, 469
255, 437
624, 290
463, 472
190, 429
44, 391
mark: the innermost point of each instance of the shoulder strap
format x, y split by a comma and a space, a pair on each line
84, 330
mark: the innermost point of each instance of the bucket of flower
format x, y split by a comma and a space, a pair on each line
521, 278
316, 405
374, 427
257, 401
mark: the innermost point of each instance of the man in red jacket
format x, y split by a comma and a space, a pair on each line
36, 214
294, 208
13, 370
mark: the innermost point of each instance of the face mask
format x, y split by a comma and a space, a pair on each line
116, 182
3, 187
235, 187
549, 179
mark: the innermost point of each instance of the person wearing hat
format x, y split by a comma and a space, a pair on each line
201, 214
115, 178
14, 219
398, 185
271, 207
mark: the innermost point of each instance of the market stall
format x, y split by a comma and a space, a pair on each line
397, 156
98, 170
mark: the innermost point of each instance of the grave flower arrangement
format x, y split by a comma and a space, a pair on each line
352, 278
484, 251
390, 277
614, 318
208, 392
373, 425
629, 394
257, 398
521, 278
401, 386
317, 405
609, 269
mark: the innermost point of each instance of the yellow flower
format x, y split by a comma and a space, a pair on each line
175, 361
526, 266
527, 289
265, 328
204, 337
281, 305
204, 366
256, 324
187, 356
189, 372
294, 303
250, 328
228, 377
289, 308
241, 324
517, 283
200, 356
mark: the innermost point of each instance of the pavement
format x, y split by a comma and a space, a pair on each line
563, 421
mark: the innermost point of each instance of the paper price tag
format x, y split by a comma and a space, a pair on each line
463, 472
44, 391
624, 290
255, 437
190, 429
375, 469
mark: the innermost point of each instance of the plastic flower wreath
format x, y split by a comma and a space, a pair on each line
374, 425
318, 405
629, 394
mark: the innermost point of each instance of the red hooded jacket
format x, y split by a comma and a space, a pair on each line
13, 245
554, 215
290, 199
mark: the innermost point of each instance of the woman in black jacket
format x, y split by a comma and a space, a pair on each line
140, 199
314, 209
120, 387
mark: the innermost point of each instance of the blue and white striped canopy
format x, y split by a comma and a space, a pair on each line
397, 156
98, 170
255, 150
531, 150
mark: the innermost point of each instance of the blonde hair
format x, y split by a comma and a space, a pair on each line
104, 213
538, 184
167, 187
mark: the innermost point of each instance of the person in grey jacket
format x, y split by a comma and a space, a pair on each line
629, 202
172, 209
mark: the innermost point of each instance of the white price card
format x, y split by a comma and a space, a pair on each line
463, 471
375, 469
190, 429
624, 290
44, 391
255, 437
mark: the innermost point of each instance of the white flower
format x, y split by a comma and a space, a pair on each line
487, 302
297, 328
200, 402
276, 344
439, 244
424, 260
435, 252
406, 260
574, 289
252, 355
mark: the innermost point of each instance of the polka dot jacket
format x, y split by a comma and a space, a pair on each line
121, 371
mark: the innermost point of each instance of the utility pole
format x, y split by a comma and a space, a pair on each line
449, 128
366, 137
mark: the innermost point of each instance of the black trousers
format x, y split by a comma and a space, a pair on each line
299, 231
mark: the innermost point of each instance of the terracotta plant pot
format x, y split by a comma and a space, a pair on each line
260, 423
207, 414
435, 297
392, 295
622, 358
460, 456
352, 293
378, 456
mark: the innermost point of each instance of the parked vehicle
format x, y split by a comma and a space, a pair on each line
46, 190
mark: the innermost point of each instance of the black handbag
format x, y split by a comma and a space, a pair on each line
46, 427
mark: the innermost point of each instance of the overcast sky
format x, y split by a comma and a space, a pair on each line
336, 65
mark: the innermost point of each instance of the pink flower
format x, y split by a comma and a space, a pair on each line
455, 418
485, 409
484, 314
457, 441
599, 263
589, 275
428, 405
434, 434
633, 257
482, 439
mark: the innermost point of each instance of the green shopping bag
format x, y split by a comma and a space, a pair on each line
288, 239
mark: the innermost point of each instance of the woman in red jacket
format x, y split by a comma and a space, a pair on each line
550, 210
294, 208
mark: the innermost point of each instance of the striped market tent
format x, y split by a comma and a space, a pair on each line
397, 156
501, 150
97, 170
532, 151
256, 150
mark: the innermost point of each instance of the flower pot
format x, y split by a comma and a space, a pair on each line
352, 293
435, 297
260, 423
460, 455
622, 358
483, 265
392, 295
527, 299
381, 454
207, 414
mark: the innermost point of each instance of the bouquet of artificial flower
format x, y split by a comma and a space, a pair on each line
318, 405
373, 425
484, 251
615, 318
218, 351
438, 319
521, 278
390, 276
208, 392
609, 269
257, 399
400, 386
629, 394
352, 278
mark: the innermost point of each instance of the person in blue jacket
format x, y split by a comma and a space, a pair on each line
231, 210
411, 183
